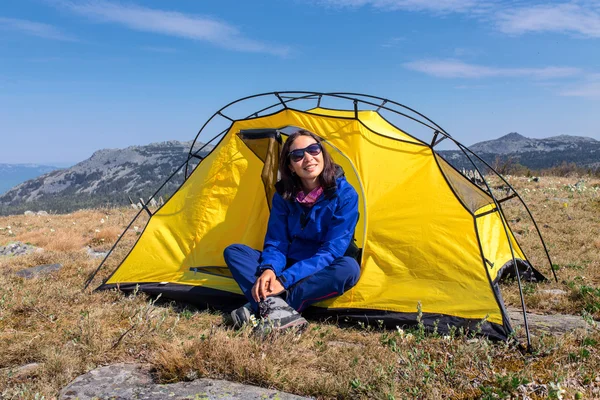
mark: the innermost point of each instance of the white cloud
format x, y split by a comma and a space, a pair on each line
590, 88
156, 49
33, 28
459, 69
588, 91
576, 18
172, 23
393, 42
514, 17
439, 6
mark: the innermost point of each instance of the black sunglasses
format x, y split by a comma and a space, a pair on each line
298, 154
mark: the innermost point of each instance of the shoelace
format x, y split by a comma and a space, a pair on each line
266, 307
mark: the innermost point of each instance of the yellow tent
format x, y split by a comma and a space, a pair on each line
430, 238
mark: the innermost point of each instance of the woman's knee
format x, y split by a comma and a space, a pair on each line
240, 254
351, 269
231, 251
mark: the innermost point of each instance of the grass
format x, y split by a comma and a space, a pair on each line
50, 321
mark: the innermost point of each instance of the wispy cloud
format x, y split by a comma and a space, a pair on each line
393, 42
33, 28
590, 88
438, 6
514, 17
172, 23
466, 52
578, 18
164, 50
459, 69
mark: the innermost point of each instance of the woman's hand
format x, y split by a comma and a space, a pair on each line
266, 285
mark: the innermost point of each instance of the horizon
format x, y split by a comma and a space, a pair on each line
78, 77
68, 164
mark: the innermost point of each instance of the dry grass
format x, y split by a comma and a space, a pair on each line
51, 321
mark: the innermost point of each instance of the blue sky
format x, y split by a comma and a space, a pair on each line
78, 76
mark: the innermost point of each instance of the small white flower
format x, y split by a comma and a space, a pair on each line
135, 228
74, 223
447, 338
102, 221
97, 231
10, 232
8, 227
51, 230
253, 321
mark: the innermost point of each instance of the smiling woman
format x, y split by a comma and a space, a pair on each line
312, 222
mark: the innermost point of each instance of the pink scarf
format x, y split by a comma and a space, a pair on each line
309, 199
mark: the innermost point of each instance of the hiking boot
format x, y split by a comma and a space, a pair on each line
277, 315
241, 316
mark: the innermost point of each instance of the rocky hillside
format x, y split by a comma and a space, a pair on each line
109, 177
13, 174
533, 153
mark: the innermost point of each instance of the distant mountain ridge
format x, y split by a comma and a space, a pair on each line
532, 153
108, 177
13, 174
515, 143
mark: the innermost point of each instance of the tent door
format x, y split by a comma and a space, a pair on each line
266, 145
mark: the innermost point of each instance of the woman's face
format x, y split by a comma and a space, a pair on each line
309, 167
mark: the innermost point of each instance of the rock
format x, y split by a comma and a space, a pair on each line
555, 324
16, 249
554, 292
23, 372
340, 343
127, 381
28, 213
39, 270
42, 213
96, 254
153, 203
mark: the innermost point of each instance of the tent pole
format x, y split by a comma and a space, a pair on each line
382, 104
512, 252
522, 202
91, 277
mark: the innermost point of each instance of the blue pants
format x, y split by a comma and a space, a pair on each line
331, 281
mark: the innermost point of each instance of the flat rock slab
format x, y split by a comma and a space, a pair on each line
37, 271
556, 323
16, 249
95, 254
134, 381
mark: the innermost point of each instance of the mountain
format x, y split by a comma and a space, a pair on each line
111, 176
13, 174
532, 153
108, 177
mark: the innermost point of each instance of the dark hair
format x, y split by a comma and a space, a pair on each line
290, 182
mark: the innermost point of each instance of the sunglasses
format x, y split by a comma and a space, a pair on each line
298, 154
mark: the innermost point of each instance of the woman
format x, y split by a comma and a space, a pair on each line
312, 222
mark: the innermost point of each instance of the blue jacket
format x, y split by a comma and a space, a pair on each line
311, 237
